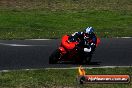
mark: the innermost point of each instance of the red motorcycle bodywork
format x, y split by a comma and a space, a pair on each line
67, 46
98, 42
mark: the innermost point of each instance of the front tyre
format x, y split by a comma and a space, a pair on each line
54, 57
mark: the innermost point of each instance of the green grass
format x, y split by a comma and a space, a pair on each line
57, 78
52, 19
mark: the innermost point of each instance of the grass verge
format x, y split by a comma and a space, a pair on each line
57, 78
29, 19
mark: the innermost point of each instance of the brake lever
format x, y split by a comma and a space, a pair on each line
68, 41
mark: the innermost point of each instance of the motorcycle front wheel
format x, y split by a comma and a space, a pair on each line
54, 57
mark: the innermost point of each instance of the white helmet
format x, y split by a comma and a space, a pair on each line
89, 30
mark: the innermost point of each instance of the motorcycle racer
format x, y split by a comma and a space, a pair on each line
82, 38
77, 47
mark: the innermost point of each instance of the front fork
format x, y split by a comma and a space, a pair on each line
62, 52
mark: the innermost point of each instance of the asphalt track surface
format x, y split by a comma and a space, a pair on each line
33, 54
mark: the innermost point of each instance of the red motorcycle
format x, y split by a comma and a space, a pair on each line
72, 51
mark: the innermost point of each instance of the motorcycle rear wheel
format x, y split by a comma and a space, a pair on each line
86, 59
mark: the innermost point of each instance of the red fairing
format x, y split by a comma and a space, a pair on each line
62, 50
98, 42
66, 44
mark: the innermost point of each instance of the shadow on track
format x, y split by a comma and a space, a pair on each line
72, 63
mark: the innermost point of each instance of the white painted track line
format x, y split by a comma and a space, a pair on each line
38, 39
73, 68
5, 44
123, 37
93, 67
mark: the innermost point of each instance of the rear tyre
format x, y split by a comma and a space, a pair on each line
54, 58
87, 58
